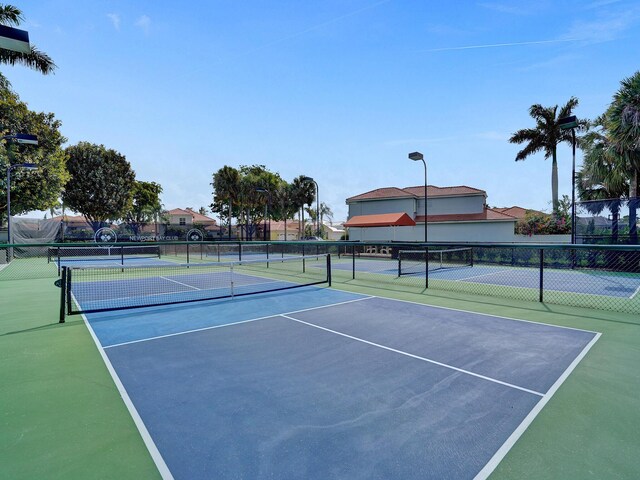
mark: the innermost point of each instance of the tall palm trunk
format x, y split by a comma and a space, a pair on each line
633, 206
554, 181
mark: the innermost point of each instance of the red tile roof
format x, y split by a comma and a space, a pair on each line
413, 192
488, 214
381, 220
516, 211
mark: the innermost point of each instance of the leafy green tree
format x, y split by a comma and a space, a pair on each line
236, 195
12, 17
283, 204
623, 124
30, 189
226, 193
546, 136
101, 185
145, 205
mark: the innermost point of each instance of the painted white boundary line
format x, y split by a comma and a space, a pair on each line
144, 433
179, 283
234, 323
476, 276
478, 313
635, 293
417, 357
517, 433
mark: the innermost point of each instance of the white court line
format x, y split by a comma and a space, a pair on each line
428, 360
479, 313
635, 293
234, 323
180, 283
144, 433
517, 433
478, 276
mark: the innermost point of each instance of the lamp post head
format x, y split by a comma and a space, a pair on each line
23, 138
567, 123
29, 166
307, 179
416, 156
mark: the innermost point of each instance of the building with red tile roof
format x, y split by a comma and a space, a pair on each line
454, 214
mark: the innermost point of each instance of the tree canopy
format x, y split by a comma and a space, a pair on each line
145, 205
101, 184
30, 189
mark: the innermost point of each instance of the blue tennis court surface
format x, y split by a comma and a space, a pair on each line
318, 383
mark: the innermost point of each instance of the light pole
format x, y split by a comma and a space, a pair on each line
25, 139
309, 179
267, 211
416, 156
567, 123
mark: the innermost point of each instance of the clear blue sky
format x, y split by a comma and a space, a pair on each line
340, 90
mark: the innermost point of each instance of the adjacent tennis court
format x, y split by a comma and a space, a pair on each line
459, 267
312, 382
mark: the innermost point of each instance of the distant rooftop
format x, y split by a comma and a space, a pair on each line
417, 192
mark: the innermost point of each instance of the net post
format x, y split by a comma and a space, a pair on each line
68, 290
240, 251
231, 279
218, 249
541, 275
426, 263
59, 259
399, 264
267, 255
329, 268
187, 252
471, 257
63, 294
303, 260
122, 255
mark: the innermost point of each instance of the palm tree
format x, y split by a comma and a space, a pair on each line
623, 124
602, 180
303, 194
36, 60
546, 136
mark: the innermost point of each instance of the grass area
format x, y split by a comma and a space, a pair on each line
62, 416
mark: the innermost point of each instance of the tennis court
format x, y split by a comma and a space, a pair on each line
313, 382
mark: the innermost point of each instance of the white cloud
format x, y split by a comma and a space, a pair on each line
115, 20
144, 23
605, 28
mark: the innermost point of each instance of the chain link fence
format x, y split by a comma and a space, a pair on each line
603, 277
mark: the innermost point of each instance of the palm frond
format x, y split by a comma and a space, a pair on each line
10, 15
35, 60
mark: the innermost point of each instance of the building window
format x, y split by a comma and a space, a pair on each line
183, 221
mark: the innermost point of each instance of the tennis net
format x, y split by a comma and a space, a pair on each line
102, 253
412, 262
104, 288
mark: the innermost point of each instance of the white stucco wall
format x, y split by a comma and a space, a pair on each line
439, 232
452, 205
392, 205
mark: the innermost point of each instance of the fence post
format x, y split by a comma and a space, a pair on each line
541, 275
329, 268
353, 257
187, 253
426, 273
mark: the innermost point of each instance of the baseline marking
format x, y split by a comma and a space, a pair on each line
428, 360
633, 295
517, 433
